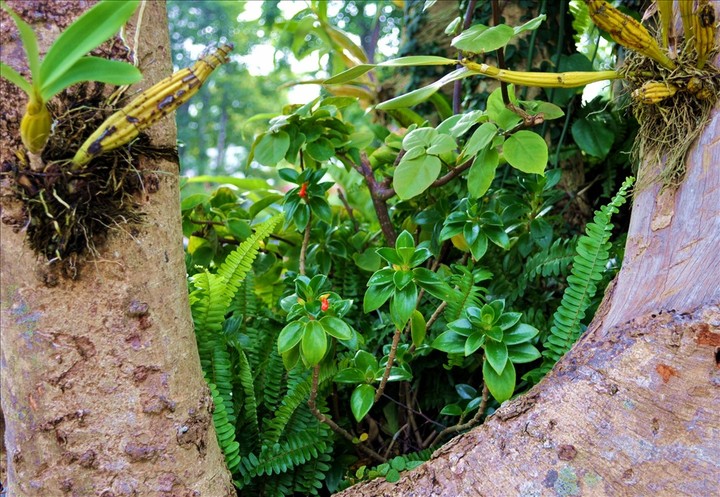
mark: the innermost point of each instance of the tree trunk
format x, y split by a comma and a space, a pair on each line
102, 390
634, 407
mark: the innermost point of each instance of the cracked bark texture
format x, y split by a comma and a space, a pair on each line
634, 408
102, 391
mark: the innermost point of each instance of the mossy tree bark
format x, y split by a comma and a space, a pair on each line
634, 407
102, 391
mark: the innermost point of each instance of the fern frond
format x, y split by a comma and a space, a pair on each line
225, 431
249, 414
588, 267
239, 262
470, 295
553, 262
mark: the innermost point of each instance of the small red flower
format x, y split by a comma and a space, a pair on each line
324, 304
303, 191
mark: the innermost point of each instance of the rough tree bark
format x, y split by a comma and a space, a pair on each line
634, 407
101, 384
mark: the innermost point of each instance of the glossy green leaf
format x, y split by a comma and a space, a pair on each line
290, 336
522, 353
320, 150
479, 247
482, 172
361, 401
418, 60
413, 177
271, 148
376, 296
548, 110
365, 361
450, 342
466, 391
508, 319
479, 140
401, 279
242, 183
314, 343
474, 342
389, 255
592, 137
90, 30
336, 327
480, 39
442, 144
402, 305
526, 151
93, 69
405, 240
350, 375
519, 334
503, 117
451, 410
417, 328
382, 277
291, 357
422, 94
496, 354
501, 385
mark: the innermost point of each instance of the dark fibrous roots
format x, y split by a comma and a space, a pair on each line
669, 127
69, 213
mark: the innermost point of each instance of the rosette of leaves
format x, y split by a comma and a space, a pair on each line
365, 371
307, 197
314, 319
400, 279
504, 340
470, 226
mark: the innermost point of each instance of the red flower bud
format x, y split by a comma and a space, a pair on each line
324, 304
303, 190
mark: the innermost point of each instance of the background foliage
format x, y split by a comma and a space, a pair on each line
423, 268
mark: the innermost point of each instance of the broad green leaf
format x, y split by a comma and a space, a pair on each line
260, 205
192, 201
479, 247
519, 334
531, 25
271, 148
382, 277
314, 343
451, 410
481, 39
413, 177
522, 353
350, 375
405, 240
461, 123
320, 150
290, 336
466, 391
90, 30
401, 279
498, 113
592, 137
365, 361
496, 354
501, 385
93, 69
417, 328
361, 401
450, 342
419, 138
474, 342
480, 139
508, 319
14, 77
336, 327
402, 305
290, 358
29, 42
548, 110
442, 144
482, 172
389, 255
526, 151
541, 232
376, 296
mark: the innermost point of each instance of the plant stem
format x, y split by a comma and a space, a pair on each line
379, 196
463, 426
457, 86
349, 210
500, 54
388, 366
332, 424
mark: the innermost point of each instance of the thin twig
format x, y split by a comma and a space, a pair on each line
500, 54
457, 87
388, 366
475, 419
332, 424
349, 210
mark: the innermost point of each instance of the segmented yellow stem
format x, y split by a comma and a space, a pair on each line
149, 107
665, 9
704, 28
541, 79
627, 31
686, 14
